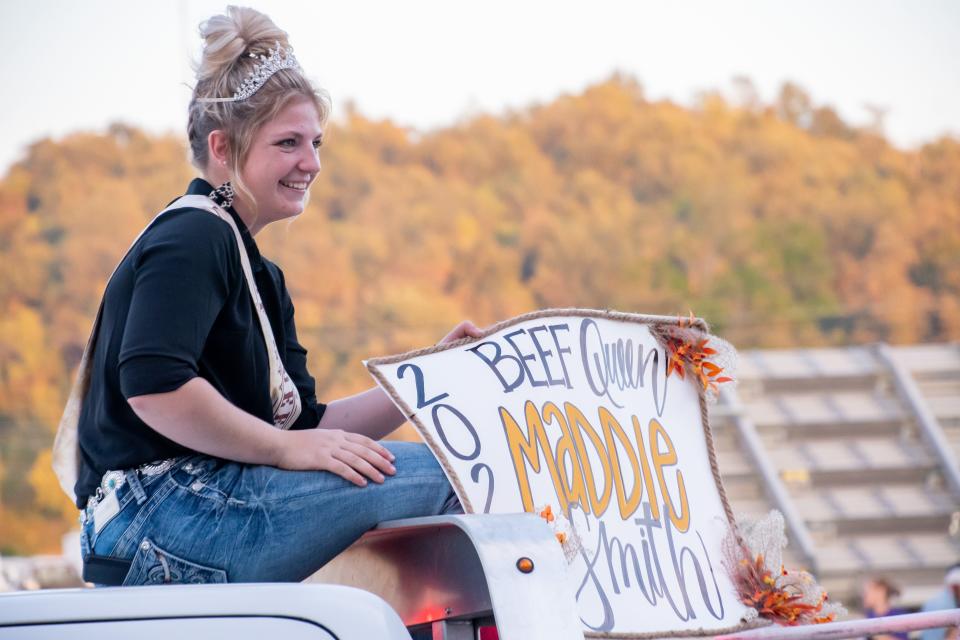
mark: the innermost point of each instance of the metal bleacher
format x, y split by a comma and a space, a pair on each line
858, 448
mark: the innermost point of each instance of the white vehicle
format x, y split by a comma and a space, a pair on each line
461, 577
288, 611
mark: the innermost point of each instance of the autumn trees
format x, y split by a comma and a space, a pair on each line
781, 224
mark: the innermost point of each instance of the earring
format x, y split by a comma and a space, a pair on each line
223, 195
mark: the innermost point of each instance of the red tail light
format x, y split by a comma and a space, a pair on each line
488, 633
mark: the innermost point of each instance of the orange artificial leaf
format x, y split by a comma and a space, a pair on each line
677, 366
712, 368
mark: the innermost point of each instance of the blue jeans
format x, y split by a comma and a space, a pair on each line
211, 520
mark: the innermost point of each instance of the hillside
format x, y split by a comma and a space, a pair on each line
780, 224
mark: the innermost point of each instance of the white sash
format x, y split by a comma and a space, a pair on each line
284, 395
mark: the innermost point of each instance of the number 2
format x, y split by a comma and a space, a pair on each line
418, 379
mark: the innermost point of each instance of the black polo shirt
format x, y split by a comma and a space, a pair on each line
179, 307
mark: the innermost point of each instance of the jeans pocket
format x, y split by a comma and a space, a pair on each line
153, 565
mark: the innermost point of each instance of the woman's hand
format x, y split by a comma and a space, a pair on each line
465, 329
349, 455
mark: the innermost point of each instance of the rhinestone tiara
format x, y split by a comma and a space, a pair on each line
278, 60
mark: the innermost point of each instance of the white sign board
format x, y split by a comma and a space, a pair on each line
575, 410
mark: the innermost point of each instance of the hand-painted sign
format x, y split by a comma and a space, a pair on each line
574, 410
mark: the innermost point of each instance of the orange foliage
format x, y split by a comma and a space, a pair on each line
786, 606
780, 223
689, 351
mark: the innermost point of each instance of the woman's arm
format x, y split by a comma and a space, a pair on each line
372, 413
198, 417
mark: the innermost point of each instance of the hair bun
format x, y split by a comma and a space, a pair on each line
229, 36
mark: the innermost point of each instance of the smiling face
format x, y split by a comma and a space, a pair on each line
283, 160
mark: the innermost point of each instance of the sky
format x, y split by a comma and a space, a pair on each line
424, 64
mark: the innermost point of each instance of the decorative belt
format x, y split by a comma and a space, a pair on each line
113, 480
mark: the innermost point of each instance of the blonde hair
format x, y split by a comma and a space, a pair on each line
229, 39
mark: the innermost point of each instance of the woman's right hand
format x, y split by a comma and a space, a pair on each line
352, 456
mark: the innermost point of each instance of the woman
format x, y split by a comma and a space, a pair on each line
194, 362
